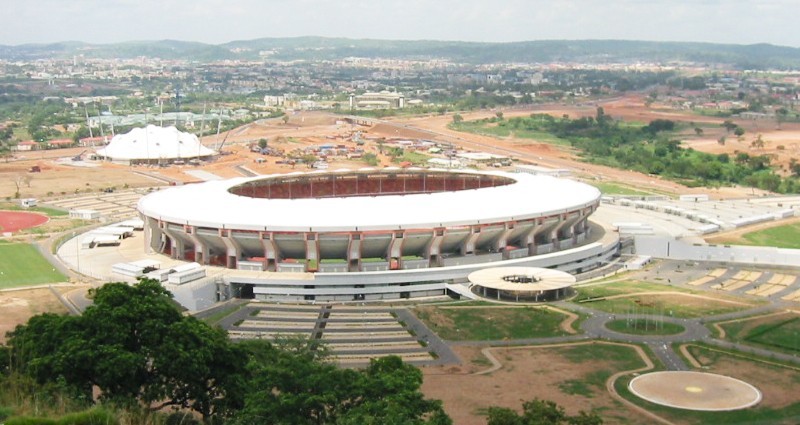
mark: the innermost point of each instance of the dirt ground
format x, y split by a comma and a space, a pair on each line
773, 381
556, 157
58, 180
19, 305
526, 374
60, 176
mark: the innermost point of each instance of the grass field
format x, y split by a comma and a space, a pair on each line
644, 327
22, 265
624, 358
673, 305
483, 324
787, 236
778, 333
607, 188
500, 130
50, 212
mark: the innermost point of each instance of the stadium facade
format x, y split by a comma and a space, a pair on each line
375, 234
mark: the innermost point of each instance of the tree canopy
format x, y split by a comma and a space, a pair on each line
140, 351
540, 412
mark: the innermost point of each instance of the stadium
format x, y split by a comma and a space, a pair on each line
374, 234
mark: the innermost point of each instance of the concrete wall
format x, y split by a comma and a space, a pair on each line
663, 247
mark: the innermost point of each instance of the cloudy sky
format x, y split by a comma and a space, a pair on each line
220, 21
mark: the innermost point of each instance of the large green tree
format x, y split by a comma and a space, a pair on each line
136, 347
540, 412
297, 387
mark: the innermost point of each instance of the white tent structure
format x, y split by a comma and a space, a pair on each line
154, 144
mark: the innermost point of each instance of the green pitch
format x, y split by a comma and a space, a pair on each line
22, 265
787, 236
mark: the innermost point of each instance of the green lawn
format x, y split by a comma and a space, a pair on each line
502, 130
22, 265
777, 333
50, 212
624, 287
619, 357
672, 305
481, 324
787, 236
644, 327
607, 188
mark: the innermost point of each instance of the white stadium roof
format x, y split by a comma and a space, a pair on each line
153, 143
210, 204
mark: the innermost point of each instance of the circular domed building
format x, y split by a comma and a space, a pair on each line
375, 234
154, 145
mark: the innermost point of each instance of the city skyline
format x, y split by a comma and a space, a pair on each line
218, 22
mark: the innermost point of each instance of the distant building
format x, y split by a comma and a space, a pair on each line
380, 100
538, 170
60, 143
27, 145
272, 101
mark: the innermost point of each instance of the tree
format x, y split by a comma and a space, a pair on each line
738, 131
601, 117
794, 167
722, 140
659, 125
457, 118
698, 131
728, 125
499, 115
758, 143
781, 114
20, 180
137, 348
540, 412
503, 416
296, 387
380, 142
285, 118
262, 143
370, 158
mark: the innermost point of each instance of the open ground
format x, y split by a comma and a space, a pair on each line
574, 376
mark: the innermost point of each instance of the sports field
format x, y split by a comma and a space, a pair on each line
22, 265
787, 236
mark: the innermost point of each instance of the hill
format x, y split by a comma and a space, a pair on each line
321, 48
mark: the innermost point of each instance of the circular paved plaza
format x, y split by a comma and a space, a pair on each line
695, 391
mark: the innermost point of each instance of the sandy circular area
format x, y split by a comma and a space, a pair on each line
695, 391
12, 221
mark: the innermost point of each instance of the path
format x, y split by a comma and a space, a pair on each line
610, 382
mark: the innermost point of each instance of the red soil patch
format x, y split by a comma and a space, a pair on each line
12, 221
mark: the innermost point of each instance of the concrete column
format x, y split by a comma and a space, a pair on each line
468, 246
312, 251
152, 234
434, 248
175, 242
554, 233
354, 252
501, 242
200, 247
396, 249
232, 248
271, 253
530, 237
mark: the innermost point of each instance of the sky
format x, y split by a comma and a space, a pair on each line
221, 21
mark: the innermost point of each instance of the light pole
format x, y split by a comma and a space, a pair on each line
77, 252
